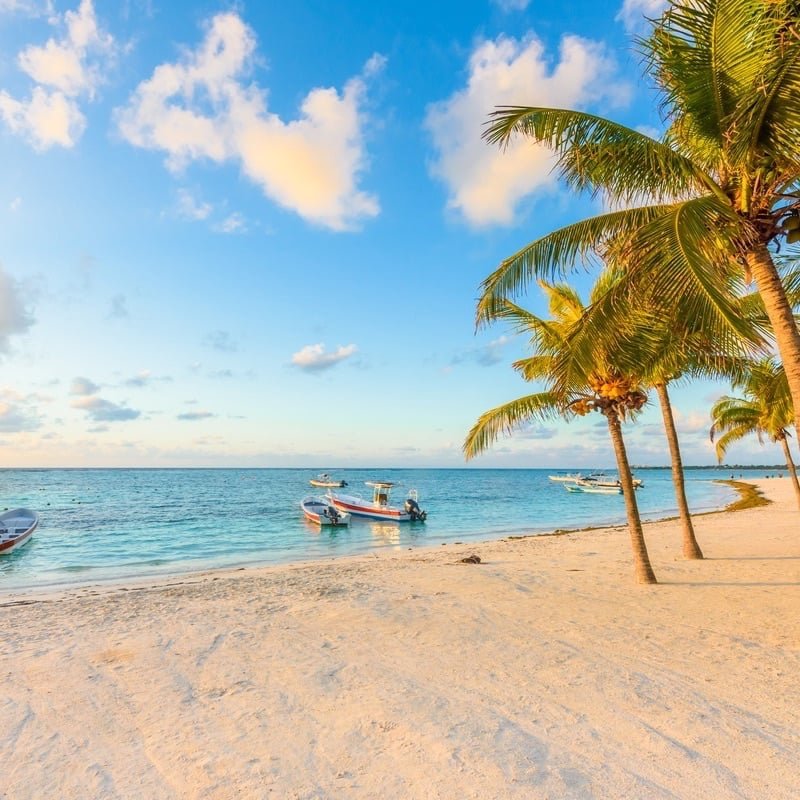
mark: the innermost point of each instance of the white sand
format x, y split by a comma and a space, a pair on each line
544, 672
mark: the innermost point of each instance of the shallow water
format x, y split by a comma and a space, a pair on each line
104, 524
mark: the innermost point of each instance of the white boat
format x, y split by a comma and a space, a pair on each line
605, 482
569, 478
16, 528
325, 480
589, 489
321, 511
378, 507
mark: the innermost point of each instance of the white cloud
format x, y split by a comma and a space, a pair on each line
83, 386
486, 183
18, 413
486, 355
203, 107
32, 8
15, 204
194, 416
100, 410
15, 318
63, 70
635, 13
190, 208
233, 223
313, 357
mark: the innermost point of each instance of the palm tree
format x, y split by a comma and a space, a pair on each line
765, 410
571, 391
722, 187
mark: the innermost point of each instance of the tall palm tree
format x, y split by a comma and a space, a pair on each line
722, 187
765, 411
571, 391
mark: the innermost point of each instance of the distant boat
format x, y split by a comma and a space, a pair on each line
606, 482
325, 480
378, 507
16, 528
321, 511
569, 478
587, 488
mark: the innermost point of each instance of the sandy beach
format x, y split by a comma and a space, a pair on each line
542, 672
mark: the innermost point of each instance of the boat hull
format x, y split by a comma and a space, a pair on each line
16, 529
327, 484
359, 507
315, 509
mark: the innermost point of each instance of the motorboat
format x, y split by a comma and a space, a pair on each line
589, 489
605, 482
321, 511
324, 480
378, 507
568, 478
16, 528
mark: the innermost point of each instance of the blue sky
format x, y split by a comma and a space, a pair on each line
252, 234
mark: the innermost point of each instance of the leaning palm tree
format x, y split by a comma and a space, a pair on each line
571, 391
765, 411
722, 187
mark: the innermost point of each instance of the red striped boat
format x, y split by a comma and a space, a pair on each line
378, 507
16, 528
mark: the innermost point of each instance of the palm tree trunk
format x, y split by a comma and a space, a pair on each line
641, 560
790, 464
781, 318
691, 549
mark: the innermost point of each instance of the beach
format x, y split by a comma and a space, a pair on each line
544, 671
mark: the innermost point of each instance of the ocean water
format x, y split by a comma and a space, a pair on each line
106, 524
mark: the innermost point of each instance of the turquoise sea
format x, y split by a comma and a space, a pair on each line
106, 524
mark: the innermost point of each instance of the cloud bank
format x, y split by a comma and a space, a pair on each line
485, 184
64, 71
202, 107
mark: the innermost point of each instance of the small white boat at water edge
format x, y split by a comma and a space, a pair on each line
378, 507
320, 510
325, 480
589, 489
16, 528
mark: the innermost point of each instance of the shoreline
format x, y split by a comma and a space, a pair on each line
9, 595
543, 671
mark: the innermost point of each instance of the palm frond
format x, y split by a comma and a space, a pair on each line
509, 416
600, 155
558, 253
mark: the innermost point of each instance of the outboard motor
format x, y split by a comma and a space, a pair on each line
332, 514
414, 511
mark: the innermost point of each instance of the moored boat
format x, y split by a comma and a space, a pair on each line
326, 481
378, 507
16, 528
568, 478
587, 488
321, 511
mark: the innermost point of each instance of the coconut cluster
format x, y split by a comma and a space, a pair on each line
612, 393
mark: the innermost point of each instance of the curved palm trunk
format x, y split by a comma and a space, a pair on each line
790, 464
781, 318
644, 570
691, 549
